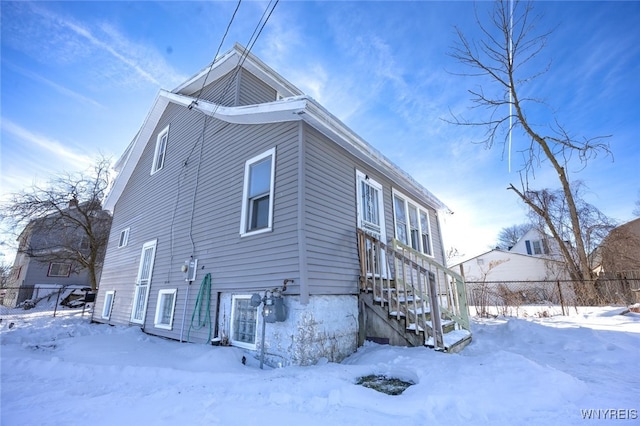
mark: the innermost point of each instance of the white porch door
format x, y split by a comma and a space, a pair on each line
143, 282
371, 216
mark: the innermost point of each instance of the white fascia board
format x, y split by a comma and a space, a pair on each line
220, 67
288, 109
134, 152
227, 63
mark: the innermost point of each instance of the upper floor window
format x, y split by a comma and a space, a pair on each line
412, 224
536, 247
84, 243
257, 199
59, 269
124, 238
161, 150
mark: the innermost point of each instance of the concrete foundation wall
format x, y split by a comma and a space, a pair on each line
326, 327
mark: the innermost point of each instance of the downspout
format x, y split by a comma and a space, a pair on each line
302, 197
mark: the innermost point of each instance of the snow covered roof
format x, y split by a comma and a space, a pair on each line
295, 106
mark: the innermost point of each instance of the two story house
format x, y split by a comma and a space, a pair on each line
53, 252
245, 213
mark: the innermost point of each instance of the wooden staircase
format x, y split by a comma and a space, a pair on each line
420, 300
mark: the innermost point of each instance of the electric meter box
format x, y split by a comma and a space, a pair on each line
189, 269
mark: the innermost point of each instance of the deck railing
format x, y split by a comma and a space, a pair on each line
414, 286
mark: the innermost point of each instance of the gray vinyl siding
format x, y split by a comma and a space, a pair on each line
238, 89
223, 91
332, 258
164, 206
331, 215
192, 207
253, 90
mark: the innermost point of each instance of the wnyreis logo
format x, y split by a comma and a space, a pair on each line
609, 414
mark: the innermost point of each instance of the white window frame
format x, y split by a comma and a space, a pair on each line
58, 275
246, 213
161, 306
232, 327
362, 222
428, 251
536, 247
107, 307
124, 237
160, 153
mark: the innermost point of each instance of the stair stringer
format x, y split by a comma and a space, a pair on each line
377, 323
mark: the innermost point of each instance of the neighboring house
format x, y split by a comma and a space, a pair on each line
535, 243
41, 260
506, 265
534, 259
620, 250
240, 184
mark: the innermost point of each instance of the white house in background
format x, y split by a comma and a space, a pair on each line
534, 243
535, 257
503, 265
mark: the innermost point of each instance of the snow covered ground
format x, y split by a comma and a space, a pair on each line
536, 371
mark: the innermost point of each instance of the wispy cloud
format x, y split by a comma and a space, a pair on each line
57, 87
43, 33
54, 151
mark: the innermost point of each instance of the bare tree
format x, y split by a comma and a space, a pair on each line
452, 254
64, 221
5, 271
509, 236
504, 57
594, 225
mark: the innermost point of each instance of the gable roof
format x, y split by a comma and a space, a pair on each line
295, 106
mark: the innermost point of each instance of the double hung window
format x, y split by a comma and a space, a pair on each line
412, 224
59, 269
257, 204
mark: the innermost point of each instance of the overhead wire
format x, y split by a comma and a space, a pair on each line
215, 57
203, 317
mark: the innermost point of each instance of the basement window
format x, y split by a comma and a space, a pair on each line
108, 304
244, 322
164, 309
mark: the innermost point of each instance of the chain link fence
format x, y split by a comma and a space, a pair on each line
45, 300
552, 297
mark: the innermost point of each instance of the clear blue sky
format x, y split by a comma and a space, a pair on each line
78, 78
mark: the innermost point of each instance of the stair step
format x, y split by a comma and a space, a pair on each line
426, 310
453, 341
